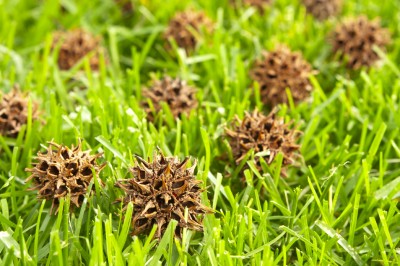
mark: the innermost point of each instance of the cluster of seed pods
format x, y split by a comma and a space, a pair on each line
165, 188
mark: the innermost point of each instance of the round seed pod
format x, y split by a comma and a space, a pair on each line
323, 9
185, 28
281, 69
265, 135
162, 190
14, 112
74, 46
63, 171
354, 40
180, 97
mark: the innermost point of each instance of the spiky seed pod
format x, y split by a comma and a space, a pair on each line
162, 190
185, 28
281, 69
63, 171
74, 46
14, 113
355, 39
264, 134
323, 9
180, 97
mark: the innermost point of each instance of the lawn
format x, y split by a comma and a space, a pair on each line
330, 197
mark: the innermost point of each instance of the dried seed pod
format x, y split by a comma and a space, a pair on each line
180, 97
162, 190
63, 171
355, 39
281, 69
14, 113
185, 28
74, 46
323, 9
267, 135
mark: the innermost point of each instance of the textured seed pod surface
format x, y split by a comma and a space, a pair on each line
185, 28
14, 112
268, 135
354, 40
180, 97
63, 171
162, 190
281, 69
323, 9
74, 46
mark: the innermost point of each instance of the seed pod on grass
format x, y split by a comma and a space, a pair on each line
162, 190
263, 134
323, 9
14, 113
354, 40
281, 69
74, 46
180, 97
63, 171
185, 28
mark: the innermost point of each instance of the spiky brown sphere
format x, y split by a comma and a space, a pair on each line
354, 40
281, 69
180, 97
14, 113
263, 134
323, 9
74, 46
162, 190
63, 171
185, 28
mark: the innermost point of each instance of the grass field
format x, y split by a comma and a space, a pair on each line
339, 207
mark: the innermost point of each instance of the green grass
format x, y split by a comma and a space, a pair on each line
341, 207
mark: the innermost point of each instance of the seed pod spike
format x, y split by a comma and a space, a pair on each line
142, 161
184, 162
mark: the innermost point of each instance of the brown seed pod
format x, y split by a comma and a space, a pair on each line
281, 69
74, 46
162, 190
180, 97
63, 171
266, 135
185, 28
14, 113
323, 9
354, 40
